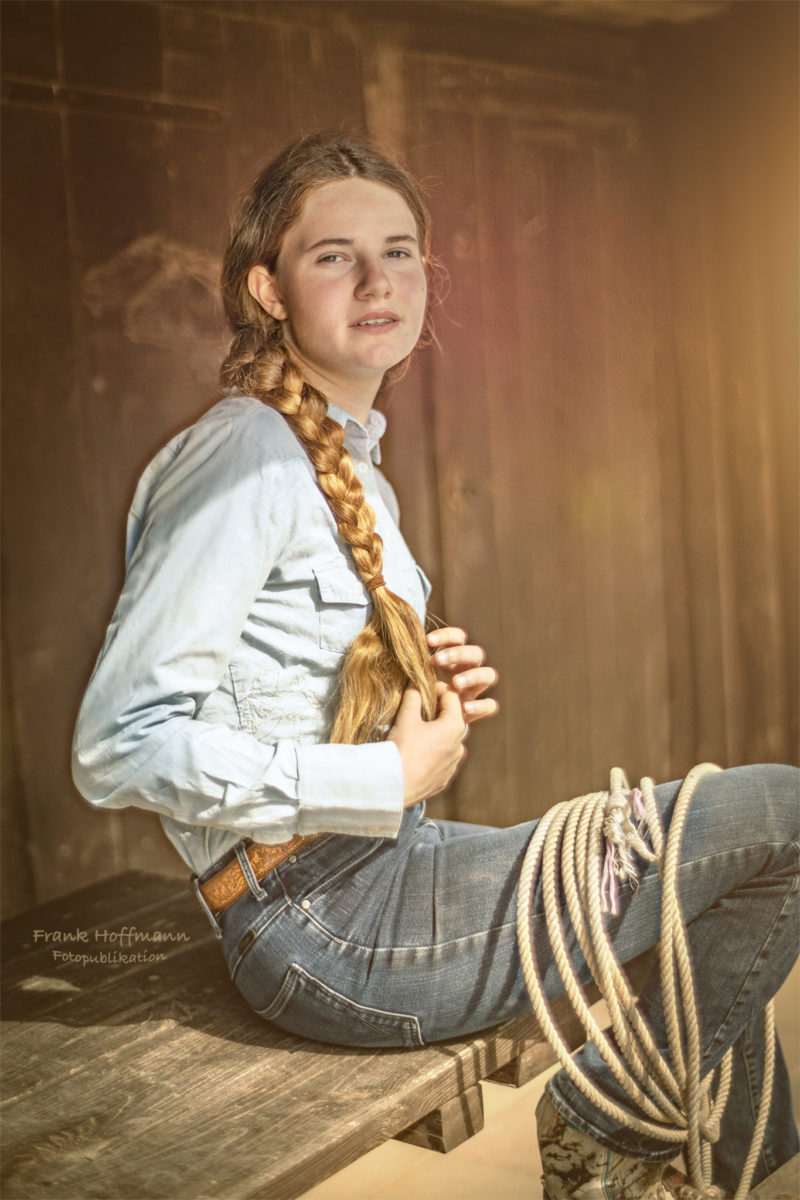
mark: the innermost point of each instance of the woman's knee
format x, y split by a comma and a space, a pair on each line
769, 796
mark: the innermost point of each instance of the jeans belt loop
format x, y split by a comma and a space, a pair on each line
242, 873
247, 870
197, 889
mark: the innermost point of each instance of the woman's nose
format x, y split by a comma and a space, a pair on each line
373, 280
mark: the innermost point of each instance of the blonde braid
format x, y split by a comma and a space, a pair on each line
390, 652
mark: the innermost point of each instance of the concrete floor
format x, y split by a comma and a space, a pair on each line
502, 1161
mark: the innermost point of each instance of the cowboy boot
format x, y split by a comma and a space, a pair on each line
575, 1167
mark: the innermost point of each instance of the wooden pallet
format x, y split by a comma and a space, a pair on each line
149, 1079
154, 1079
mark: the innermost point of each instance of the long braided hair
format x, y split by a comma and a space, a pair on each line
390, 652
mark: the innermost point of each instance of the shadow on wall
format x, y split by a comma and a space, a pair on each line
168, 293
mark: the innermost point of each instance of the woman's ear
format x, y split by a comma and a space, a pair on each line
263, 288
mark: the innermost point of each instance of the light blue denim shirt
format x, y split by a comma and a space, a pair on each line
209, 703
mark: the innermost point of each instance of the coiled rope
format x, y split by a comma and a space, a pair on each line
579, 846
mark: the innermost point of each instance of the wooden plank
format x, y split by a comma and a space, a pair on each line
144, 1102
540, 1057
116, 1105
385, 101
471, 595
724, 203
28, 35
637, 737
49, 521
690, 466
144, 968
111, 46
783, 1184
191, 37
513, 35
528, 488
98, 103
450, 1125
576, 104
257, 96
159, 1120
131, 894
480, 32
330, 59
581, 568
508, 402
749, 215
17, 885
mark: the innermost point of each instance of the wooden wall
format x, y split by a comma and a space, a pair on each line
725, 205
598, 469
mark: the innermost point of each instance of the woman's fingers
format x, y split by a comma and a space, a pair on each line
430, 751
410, 708
470, 684
459, 658
452, 710
449, 702
476, 710
448, 635
462, 665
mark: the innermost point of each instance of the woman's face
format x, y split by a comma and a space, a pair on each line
349, 288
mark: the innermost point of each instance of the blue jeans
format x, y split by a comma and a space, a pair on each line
371, 942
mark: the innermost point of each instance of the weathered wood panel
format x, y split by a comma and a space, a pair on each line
725, 202
545, 227
49, 518
103, 1091
449, 1126
598, 470
471, 590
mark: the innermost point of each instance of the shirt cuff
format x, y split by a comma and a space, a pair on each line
350, 789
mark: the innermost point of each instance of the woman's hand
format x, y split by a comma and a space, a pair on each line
430, 751
461, 667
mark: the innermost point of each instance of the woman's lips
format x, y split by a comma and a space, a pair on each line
376, 322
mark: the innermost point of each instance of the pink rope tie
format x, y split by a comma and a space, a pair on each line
621, 838
609, 888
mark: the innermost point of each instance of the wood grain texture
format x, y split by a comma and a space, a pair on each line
156, 1080
598, 469
783, 1184
449, 1126
727, 364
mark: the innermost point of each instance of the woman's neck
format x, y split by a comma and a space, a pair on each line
353, 396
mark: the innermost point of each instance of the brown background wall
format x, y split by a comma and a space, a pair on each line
599, 468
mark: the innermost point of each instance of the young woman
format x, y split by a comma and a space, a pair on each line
267, 688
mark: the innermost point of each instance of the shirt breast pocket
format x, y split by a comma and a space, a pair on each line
343, 603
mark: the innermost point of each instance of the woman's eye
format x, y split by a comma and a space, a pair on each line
329, 258
398, 254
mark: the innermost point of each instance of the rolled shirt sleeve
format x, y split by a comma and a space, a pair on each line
209, 527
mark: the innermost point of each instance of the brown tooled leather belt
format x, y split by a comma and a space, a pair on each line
229, 883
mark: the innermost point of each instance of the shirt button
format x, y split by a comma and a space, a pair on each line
306, 904
292, 858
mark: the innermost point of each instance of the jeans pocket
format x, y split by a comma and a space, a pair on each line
307, 1007
241, 945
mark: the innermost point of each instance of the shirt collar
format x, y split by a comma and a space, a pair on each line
367, 435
